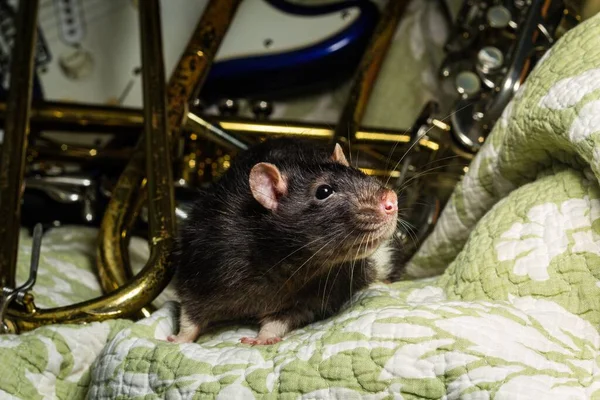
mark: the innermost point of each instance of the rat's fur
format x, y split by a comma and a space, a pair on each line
236, 259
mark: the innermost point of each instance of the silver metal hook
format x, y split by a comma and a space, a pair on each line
8, 295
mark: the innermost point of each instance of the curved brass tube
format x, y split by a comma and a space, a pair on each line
154, 277
122, 302
143, 288
114, 235
189, 74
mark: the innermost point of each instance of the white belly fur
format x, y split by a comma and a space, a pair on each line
382, 260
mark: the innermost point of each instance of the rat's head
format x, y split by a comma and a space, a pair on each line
330, 209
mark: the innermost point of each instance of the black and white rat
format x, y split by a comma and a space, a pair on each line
284, 238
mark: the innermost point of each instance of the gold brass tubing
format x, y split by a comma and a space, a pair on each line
132, 118
190, 72
161, 210
159, 176
113, 270
368, 69
382, 137
314, 131
120, 303
77, 153
82, 117
65, 116
250, 127
145, 286
279, 128
197, 58
16, 130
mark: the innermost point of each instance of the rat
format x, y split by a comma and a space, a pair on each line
284, 238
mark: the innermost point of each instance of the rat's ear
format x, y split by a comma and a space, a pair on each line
338, 155
267, 185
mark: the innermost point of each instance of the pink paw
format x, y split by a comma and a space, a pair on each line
178, 339
260, 342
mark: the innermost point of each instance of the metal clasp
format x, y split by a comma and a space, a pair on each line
18, 294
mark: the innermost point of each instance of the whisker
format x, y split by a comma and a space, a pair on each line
439, 160
349, 144
419, 175
354, 264
303, 264
391, 153
418, 203
410, 232
298, 249
418, 139
362, 267
335, 237
336, 275
329, 273
408, 224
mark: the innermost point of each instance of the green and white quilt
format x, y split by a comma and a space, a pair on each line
505, 303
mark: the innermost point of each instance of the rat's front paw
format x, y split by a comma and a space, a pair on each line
188, 331
174, 339
180, 339
260, 342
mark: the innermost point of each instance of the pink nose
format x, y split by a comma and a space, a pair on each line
389, 202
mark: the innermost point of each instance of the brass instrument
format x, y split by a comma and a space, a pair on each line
153, 172
442, 144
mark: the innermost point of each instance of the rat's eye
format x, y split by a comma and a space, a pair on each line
323, 192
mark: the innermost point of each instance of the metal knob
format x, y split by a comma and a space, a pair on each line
498, 17
490, 59
467, 84
198, 105
262, 109
229, 107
